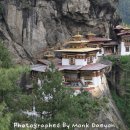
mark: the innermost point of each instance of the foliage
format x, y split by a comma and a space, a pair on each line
124, 10
54, 102
5, 59
9, 79
123, 60
8, 91
4, 117
61, 102
122, 102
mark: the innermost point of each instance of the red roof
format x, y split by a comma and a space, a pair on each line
69, 67
110, 43
38, 68
44, 61
123, 33
120, 27
99, 39
96, 66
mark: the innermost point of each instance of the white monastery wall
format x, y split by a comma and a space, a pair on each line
96, 80
123, 49
65, 61
100, 53
81, 62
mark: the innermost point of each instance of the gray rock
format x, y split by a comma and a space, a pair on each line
33, 25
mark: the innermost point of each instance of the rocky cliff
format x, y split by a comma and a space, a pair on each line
29, 26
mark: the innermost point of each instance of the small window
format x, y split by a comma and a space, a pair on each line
72, 61
127, 49
100, 51
89, 59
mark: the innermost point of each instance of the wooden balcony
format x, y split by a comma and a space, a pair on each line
72, 80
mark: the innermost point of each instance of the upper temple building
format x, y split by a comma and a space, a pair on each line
107, 46
79, 63
123, 35
76, 52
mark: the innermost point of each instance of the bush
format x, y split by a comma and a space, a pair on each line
5, 59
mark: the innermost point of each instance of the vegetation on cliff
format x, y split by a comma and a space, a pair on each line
124, 10
53, 102
121, 88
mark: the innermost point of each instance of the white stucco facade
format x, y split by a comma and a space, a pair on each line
96, 80
100, 53
81, 62
95, 59
123, 49
65, 61
76, 61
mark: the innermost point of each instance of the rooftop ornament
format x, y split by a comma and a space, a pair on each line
91, 34
77, 37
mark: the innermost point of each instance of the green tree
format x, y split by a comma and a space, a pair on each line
5, 59
57, 104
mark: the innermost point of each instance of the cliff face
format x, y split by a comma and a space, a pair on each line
28, 26
109, 113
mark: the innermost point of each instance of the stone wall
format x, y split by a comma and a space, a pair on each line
28, 26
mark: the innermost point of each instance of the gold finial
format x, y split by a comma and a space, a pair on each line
91, 34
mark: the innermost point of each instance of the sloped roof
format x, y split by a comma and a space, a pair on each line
38, 68
123, 33
44, 61
89, 67
69, 67
96, 66
122, 27
99, 39
111, 43
78, 50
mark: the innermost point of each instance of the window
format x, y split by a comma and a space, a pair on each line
72, 61
100, 51
88, 59
127, 48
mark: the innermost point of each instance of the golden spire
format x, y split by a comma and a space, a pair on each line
77, 37
91, 34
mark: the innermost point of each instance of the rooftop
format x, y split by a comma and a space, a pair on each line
122, 27
38, 68
99, 39
91, 34
90, 67
82, 41
69, 67
123, 33
111, 43
96, 66
78, 50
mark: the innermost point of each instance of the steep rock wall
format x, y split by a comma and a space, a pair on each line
29, 26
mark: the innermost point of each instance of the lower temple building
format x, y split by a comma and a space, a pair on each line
78, 63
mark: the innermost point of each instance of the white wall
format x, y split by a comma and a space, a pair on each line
65, 61
95, 59
77, 62
100, 54
96, 80
80, 62
123, 49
